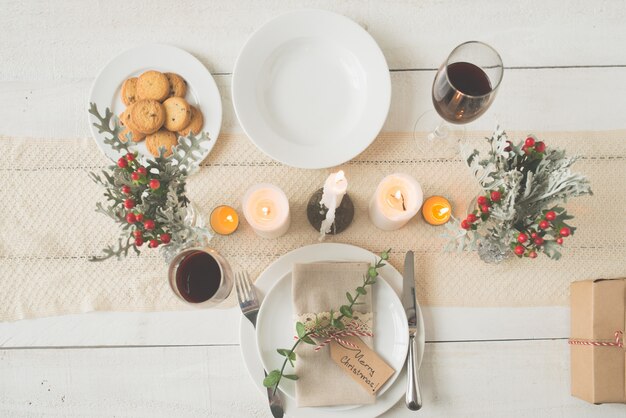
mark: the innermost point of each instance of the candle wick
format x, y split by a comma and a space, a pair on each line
399, 196
229, 218
443, 211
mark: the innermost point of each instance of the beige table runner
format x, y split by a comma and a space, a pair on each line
48, 227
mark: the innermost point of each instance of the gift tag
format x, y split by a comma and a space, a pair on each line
362, 363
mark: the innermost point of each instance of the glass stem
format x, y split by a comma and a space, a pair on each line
440, 132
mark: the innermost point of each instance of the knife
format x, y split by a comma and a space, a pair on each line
413, 397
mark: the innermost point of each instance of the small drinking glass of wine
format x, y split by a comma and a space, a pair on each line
464, 88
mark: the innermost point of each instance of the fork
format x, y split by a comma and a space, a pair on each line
249, 304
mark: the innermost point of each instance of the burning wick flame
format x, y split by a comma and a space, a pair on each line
229, 218
443, 211
265, 210
398, 195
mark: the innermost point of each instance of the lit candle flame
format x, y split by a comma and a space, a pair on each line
265, 210
399, 197
443, 211
339, 176
229, 218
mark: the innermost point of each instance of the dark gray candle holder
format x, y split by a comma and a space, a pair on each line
343, 215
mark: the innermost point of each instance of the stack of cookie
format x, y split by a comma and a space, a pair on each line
157, 111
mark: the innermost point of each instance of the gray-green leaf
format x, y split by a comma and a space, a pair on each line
290, 376
308, 340
271, 379
300, 329
346, 311
338, 324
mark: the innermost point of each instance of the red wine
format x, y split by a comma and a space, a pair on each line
461, 92
198, 277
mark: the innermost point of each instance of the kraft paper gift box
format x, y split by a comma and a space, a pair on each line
598, 358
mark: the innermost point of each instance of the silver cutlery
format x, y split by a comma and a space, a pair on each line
249, 304
413, 397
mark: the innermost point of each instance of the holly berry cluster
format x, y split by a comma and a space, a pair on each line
484, 205
530, 237
547, 230
142, 182
531, 147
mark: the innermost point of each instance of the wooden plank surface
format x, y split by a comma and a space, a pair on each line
541, 99
564, 64
506, 379
221, 326
73, 39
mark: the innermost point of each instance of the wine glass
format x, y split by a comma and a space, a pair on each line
463, 89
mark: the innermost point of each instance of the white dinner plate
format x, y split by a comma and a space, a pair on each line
311, 89
275, 328
202, 91
282, 268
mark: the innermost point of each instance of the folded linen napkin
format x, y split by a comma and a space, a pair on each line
316, 289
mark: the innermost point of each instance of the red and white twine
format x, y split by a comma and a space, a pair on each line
619, 341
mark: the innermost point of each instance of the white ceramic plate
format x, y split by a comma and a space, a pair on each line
275, 328
202, 91
281, 268
311, 89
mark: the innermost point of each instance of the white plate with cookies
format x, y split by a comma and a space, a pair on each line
159, 92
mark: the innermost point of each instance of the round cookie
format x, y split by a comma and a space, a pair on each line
135, 136
126, 121
152, 85
177, 113
195, 126
146, 116
129, 91
162, 138
178, 85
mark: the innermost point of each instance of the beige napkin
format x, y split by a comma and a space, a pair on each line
317, 288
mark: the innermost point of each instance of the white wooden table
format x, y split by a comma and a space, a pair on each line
565, 70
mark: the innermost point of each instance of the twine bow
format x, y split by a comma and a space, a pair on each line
353, 329
619, 341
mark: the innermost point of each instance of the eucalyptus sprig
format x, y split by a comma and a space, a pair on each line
146, 197
272, 380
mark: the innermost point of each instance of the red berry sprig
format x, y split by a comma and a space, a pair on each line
484, 203
534, 148
144, 229
546, 231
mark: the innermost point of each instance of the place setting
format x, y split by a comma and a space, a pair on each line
325, 234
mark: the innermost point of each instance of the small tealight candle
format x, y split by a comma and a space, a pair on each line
266, 208
397, 199
224, 220
436, 210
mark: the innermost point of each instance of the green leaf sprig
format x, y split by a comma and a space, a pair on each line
272, 380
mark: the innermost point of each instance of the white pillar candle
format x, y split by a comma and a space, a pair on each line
266, 208
397, 200
334, 190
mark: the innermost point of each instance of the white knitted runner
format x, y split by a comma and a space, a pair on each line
48, 227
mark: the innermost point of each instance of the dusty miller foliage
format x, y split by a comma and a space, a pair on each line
170, 207
527, 190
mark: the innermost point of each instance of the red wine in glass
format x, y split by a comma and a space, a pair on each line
200, 276
461, 95
464, 87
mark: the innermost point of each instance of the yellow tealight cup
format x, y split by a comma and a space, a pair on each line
224, 220
436, 210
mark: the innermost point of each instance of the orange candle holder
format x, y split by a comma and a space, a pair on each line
224, 220
436, 210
